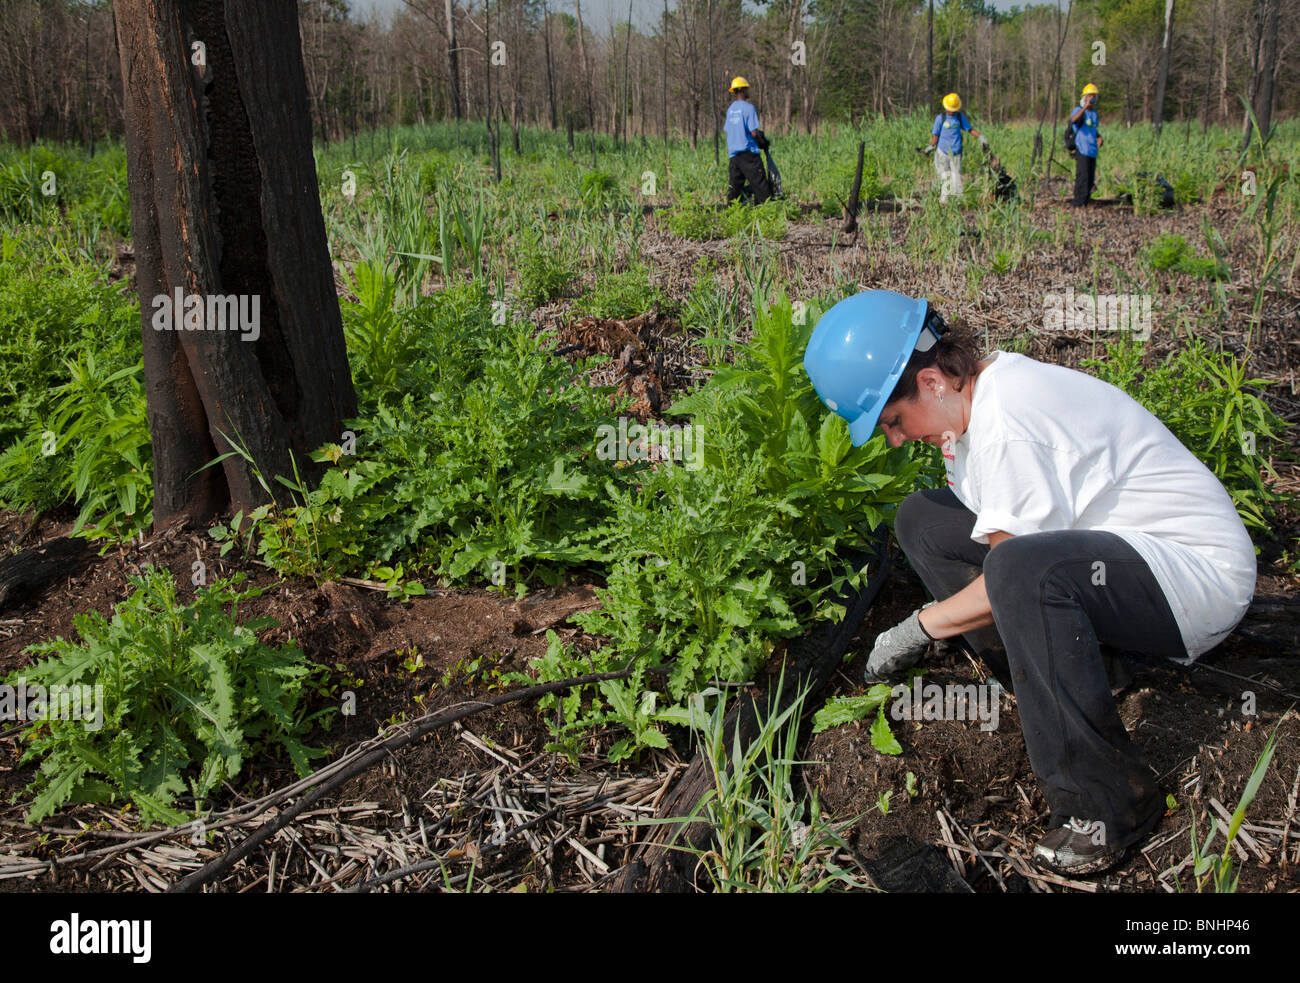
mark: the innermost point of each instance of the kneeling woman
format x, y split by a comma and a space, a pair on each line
1073, 522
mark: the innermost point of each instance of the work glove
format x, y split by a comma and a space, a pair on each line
928, 150
984, 143
899, 648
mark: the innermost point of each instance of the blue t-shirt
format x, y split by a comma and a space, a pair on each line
1085, 133
948, 128
742, 121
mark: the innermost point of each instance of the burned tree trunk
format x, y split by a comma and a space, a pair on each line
851, 223
242, 333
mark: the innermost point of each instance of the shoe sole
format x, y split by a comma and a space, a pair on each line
1087, 868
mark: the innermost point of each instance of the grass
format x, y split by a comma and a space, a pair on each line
1218, 871
766, 839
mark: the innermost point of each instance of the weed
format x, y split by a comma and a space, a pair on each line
621, 295
1209, 869
189, 695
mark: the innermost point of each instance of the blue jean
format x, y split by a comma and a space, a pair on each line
1060, 600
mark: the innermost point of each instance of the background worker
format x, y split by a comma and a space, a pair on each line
1087, 141
945, 144
744, 141
1059, 532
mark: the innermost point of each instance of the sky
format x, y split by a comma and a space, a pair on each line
599, 13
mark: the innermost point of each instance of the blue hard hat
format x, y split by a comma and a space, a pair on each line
859, 349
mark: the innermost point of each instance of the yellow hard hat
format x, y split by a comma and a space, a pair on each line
738, 83
1090, 90
952, 102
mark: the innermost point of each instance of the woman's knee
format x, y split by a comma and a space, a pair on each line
1045, 566
1014, 567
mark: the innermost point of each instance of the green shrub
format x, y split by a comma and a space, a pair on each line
484, 468
382, 340
621, 295
545, 272
188, 696
72, 411
692, 217
599, 191
767, 220
95, 450
1170, 251
434, 167
1186, 188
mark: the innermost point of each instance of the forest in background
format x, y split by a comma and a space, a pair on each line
538, 63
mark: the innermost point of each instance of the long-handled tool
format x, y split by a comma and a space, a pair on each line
773, 175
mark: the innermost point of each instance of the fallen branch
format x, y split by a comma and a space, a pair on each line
416, 729
24, 574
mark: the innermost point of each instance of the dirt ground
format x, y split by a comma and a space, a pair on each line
448, 799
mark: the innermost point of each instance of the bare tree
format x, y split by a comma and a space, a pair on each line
1158, 115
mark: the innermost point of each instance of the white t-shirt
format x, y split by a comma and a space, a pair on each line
1048, 448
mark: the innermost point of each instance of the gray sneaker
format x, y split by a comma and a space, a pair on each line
1077, 848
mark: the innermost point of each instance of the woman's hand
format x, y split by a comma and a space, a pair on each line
899, 648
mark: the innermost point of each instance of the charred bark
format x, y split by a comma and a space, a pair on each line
31, 571
224, 204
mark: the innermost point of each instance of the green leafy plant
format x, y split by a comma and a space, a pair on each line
599, 190
382, 341
94, 449
695, 217
1170, 251
188, 696
487, 470
714, 563
545, 272
621, 295
840, 710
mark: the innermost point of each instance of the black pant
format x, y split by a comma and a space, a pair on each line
1057, 599
747, 166
1085, 171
